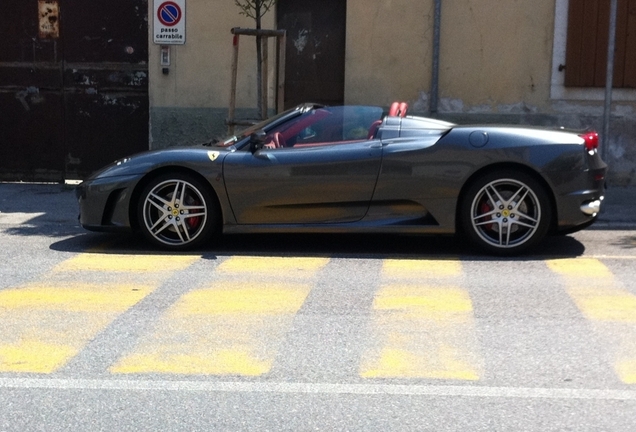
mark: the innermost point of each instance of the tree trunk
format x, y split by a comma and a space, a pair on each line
259, 67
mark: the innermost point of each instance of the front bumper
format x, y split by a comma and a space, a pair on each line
104, 203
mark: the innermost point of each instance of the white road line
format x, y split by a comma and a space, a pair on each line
318, 388
609, 257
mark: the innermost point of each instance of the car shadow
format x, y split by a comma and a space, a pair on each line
368, 246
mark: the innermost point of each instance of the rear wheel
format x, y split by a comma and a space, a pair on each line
505, 212
177, 211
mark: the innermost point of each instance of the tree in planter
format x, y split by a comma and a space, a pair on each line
255, 9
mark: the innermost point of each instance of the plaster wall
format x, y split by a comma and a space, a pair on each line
388, 50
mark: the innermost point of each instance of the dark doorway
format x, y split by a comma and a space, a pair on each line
73, 86
315, 52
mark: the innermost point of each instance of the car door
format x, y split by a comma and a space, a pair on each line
311, 184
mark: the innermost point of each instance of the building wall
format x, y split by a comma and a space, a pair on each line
492, 53
388, 50
501, 55
498, 64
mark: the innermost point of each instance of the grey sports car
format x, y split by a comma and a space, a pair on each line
356, 169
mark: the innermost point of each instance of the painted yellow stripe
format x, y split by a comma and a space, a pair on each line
610, 307
234, 298
44, 327
45, 324
423, 301
233, 327
34, 356
421, 268
585, 268
441, 362
171, 360
421, 329
626, 369
595, 290
74, 298
289, 266
126, 263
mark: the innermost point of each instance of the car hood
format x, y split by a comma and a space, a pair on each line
142, 163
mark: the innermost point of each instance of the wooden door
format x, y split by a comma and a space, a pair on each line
315, 52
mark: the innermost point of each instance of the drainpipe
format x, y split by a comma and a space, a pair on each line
611, 45
437, 18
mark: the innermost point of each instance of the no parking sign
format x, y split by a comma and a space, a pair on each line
169, 20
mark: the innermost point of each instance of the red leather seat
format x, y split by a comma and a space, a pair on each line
402, 109
373, 130
398, 109
393, 111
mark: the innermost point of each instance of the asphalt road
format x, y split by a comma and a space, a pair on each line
98, 332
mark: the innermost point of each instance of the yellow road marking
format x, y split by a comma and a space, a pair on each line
45, 324
235, 298
43, 327
431, 302
610, 308
126, 263
612, 305
74, 298
422, 329
34, 356
219, 362
421, 268
580, 268
273, 265
626, 369
232, 327
441, 363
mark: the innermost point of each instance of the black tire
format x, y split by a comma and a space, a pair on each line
505, 212
176, 211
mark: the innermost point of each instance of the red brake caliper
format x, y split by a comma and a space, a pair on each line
194, 222
485, 208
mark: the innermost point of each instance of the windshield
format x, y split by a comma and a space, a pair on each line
263, 125
308, 124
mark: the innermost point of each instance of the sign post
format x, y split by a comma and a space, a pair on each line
169, 22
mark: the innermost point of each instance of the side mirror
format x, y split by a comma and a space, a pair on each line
257, 140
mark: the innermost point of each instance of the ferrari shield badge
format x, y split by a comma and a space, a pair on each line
213, 155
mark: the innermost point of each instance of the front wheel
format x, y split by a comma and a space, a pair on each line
505, 212
177, 211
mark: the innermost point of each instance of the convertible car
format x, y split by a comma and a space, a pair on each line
315, 169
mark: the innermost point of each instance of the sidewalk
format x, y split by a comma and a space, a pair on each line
618, 209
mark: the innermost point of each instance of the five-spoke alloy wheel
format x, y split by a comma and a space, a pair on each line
177, 211
506, 212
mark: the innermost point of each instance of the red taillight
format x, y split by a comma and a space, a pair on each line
591, 140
